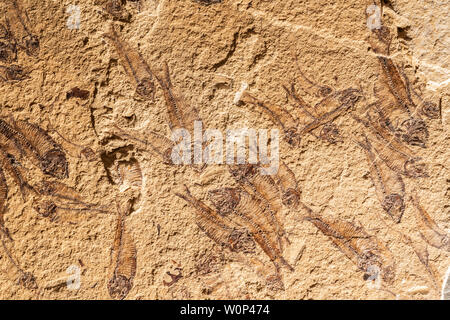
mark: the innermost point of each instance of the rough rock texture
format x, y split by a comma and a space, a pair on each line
211, 50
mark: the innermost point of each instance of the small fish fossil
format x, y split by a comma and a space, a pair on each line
26, 279
249, 212
12, 73
290, 190
116, 9
322, 114
124, 259
8, 52
8, 44
411, 129
30, 41
389, 186
56, 212
309, 118
429, 109
223, 231
252, 181
151, 141
428, 228
364, 250
421, 251
280, 116
39, 144
57, 198
135, 66
397, 157
394, 94
181, 114
73, 149
13, 167
209, 263
333, 106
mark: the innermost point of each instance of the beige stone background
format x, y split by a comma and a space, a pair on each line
211, 50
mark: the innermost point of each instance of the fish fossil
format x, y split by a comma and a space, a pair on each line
152, 141
280, 116
397, 157
308, 118
8, 44
394, 94
30, 41
249, 212
290, 190
39, 144
26, 279
56, 200
136, 68
364, 250
389, 186
252, 181
3, 198
116, 9
9, 163
221, 230
12, 73
428, 228
181, 114
124, 260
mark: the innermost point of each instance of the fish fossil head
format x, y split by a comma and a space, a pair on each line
119, 286
431, 110
241, 241
146, 88
28, 281
275, 283
374, 269
325, 91
46, 208
15, 72
394, 206
330, 133
388, 274
414, 168
349, 96
89, 154
54, 163
292, 136
225, 199
46, 187
31, 45
414, 131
